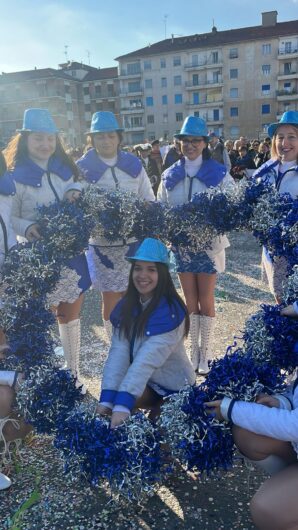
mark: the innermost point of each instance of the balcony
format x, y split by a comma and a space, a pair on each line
287, 54
133, 128
204, 64
206, 102
287, 95
132, 110
287, 75
129, 94
189, 85
124, 74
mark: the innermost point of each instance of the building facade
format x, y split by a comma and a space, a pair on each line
71, 93
238, 80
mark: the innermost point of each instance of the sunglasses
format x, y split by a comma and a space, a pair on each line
194, 142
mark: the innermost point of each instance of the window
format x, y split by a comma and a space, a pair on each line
216, 77
179, 116
287, 87
137, 121
234, 73
134, 68
149, 101
234, 112
97, 91
265, 127
195, 60
98, 107
164, 99
86, 90
215, 115
214, 57
137, 138
178, 98
233, 53
265, 90
234, 131
266, 108
165, 118
266, 68
176, 60
233, 92
266, 49
150, 118
42, 90
287, 68
134, 86
135, 103
67, 89
195, 98
163, 82
288, 47
111, 90
148, 83
87, 107
177, 80
195, 79
147, 65
163, 63
197, 113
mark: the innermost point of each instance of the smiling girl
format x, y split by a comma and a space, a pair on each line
147, 359
282, 173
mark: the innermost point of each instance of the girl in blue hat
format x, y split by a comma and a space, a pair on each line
195, 173
9, 429
109, 168
43, 173
266, 432
147, 359
282, 172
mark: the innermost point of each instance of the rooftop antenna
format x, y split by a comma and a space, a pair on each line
88, 55
165, 23
66, 52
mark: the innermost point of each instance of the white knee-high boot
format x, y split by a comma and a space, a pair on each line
193, 342
207, 326
70, 335
108, 329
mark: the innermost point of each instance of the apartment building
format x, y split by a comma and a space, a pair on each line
238, 80
71, 93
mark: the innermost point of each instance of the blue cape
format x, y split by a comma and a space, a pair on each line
211, 173
165, 318
93, 167
30, 174
7, 186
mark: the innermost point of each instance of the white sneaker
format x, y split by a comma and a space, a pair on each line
5, 482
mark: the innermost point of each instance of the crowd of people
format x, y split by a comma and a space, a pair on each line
145, 319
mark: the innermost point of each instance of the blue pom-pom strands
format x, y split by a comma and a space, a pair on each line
129, 458
196, 439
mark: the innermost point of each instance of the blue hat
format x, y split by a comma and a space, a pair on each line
104, 121
193, 126
288, 118
38, 120
151, 250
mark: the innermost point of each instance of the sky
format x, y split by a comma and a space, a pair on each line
45, 33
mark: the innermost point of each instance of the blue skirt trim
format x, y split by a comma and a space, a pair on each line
80, 265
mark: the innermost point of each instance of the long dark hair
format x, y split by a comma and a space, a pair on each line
2, 164
17, 150
165, 288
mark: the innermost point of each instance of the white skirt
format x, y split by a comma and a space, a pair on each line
108, 266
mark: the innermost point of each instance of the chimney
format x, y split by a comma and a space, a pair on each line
269, 18
214, 29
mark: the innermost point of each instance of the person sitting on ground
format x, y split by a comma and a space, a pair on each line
147, 359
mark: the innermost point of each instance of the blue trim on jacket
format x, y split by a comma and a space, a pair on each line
211, 173
108, 396
93, 167
126, 399
164, 319
30, 174
7, 186
267, 169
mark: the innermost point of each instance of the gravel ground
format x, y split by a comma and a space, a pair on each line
42, 497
